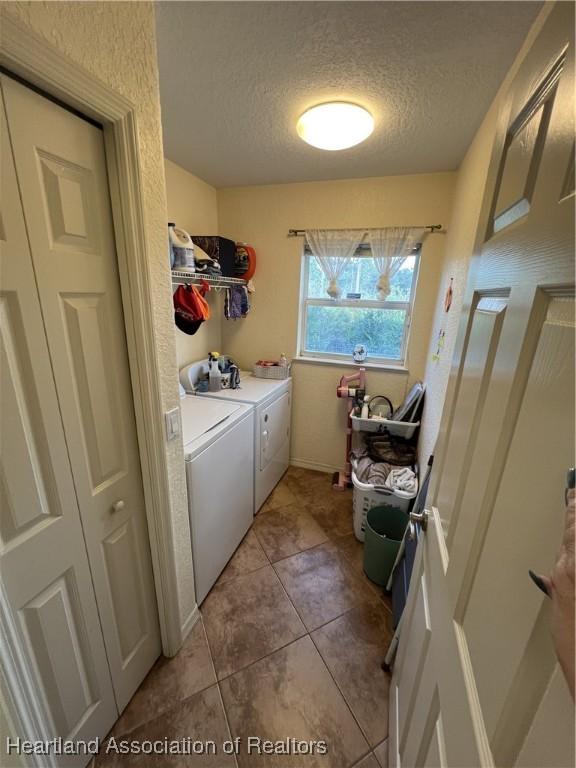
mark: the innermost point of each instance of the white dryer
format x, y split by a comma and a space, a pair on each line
218, 449
272, 401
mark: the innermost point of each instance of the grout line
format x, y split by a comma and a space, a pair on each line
226, 718
340, 689
299, 552
266, 655
375, 600
348, 563
307, 632
209, 648
236, 576
255, 661
292, 603
173, 707
218, 683
378, 746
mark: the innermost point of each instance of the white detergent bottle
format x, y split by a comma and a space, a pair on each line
214, 375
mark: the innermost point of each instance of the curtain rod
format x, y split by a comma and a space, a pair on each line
300, 232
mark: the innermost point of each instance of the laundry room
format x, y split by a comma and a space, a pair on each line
287, 294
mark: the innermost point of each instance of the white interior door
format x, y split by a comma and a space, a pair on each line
476, 681
43, 559
61, 170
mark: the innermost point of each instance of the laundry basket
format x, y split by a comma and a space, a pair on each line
271, 371
366, 496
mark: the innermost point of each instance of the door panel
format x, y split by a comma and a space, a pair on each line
520, 514
69, 196
545, 743
56, 634
43, 556
125, 577
61, 168
414, 658
88, 337
436, 753
523, 148
484, 335
28, 499
491, 686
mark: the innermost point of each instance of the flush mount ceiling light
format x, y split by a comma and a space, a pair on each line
335, 125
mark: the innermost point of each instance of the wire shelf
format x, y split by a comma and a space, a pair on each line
181, 277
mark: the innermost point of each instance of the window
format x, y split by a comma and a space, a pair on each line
330, 329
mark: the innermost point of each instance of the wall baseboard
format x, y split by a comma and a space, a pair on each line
305, 464
190, 623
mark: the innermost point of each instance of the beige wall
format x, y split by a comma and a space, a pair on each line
262, 217
116, 42
460, 244
192, 205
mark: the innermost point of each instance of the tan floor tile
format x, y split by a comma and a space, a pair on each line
311, 485
302, 482
368, 762
284, 531
281, 496
248, 557
322, 585
170, 681
200, 717
335, 519
381, 753
353, 551
247, 618
353, 648
291, 694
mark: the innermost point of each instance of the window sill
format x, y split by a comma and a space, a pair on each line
351, 364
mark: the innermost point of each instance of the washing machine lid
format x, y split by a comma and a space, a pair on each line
200, 416
251, 390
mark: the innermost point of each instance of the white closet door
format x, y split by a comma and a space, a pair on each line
61, 170
43, 557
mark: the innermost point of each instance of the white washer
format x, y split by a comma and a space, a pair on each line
219, 450
272, 400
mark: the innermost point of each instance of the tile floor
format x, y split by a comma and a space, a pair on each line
290, 644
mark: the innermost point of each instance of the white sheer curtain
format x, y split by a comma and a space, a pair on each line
390, 247
333, 249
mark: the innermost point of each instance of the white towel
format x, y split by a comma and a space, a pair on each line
402, 479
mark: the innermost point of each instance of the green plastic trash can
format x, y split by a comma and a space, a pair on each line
385, 528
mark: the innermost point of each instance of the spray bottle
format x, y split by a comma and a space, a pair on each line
214, 375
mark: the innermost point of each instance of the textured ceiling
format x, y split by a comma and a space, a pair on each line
235, 76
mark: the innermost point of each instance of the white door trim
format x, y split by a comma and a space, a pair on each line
32, 58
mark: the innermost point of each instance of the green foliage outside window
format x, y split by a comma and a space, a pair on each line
332, 328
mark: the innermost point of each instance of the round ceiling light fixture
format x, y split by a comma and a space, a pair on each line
335, 125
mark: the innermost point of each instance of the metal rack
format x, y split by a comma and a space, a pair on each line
181, 277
